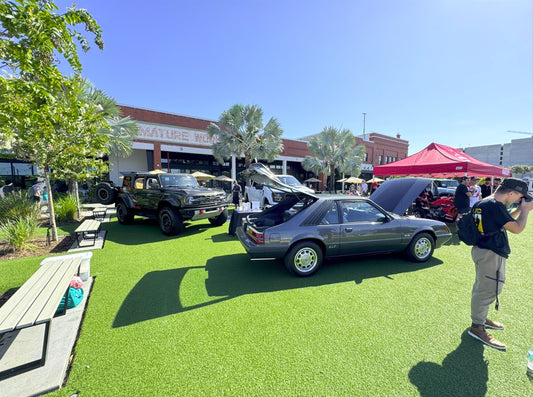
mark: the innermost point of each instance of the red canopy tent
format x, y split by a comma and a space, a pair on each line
440, 161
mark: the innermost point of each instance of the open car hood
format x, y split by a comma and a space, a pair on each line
397, 195
259, 173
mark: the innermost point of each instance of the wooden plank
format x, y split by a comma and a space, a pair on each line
59, 281
88, 225
33, 310
17, 305
70, 269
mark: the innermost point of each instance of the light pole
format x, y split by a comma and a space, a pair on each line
364, 122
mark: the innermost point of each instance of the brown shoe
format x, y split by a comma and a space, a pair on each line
478, 332
493, 325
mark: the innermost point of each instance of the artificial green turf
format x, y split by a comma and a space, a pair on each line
191, 315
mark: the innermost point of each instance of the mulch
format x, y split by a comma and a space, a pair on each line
40, 246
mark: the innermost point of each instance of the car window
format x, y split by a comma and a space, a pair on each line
151, 183
126, 182
139, 183
332, 216
360, 211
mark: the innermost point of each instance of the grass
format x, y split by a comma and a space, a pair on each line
191, 315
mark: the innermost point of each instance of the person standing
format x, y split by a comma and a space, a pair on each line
486, 188
475, 189
7, 188
496, 184
364, 188
236, 193
491, 252
462, 197
37, 189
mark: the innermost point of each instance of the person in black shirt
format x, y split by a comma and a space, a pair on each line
491, 252
486, 188
462, 196
236, 193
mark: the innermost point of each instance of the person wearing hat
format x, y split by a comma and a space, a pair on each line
490, 253
486, 188
461, 200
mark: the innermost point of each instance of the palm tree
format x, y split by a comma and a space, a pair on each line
119, 131
240, 131
333, 149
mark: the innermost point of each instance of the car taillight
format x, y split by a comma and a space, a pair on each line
259, 238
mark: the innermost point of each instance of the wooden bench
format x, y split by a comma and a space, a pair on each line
37, 300
89, 229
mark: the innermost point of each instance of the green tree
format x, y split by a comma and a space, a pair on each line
519, 169
240, 131
41, 118
333, 150
68, 145
119, 133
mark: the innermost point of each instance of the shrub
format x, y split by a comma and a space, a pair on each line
17, 205
65, 207
18, 233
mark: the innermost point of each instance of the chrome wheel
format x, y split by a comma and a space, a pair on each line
304, 258
421, 248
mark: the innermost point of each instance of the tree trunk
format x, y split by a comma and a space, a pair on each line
50, 205
74, 192
332, 176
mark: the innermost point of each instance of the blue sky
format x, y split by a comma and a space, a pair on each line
455, 72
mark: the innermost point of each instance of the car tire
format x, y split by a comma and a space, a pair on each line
220, 219
265, 203
421, 248
304, 258
105, 193
170, 221
124, 216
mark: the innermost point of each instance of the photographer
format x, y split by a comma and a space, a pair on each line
491, 252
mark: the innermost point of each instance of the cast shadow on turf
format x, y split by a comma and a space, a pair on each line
463, 372
157, 293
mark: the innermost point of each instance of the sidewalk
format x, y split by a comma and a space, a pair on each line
26, 345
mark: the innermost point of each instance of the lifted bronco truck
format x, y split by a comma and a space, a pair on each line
169, 198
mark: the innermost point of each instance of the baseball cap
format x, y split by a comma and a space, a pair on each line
517, 185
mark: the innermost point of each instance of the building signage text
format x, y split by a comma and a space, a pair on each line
160, 133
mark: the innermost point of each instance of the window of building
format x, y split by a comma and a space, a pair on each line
380, 159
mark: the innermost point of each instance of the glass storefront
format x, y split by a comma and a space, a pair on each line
20, 173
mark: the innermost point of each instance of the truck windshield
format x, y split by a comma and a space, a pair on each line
289, 180
170, 180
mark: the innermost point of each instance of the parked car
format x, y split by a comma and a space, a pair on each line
303, 229
169, 198
266, 194
446, 187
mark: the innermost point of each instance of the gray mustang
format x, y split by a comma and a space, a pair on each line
303, 229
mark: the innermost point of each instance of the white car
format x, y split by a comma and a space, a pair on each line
266, 195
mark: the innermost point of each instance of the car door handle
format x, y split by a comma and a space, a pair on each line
348, 229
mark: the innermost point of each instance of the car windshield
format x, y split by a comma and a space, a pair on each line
289, 180
170, 180
450, 183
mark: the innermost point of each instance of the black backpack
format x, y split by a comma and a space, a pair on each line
467, 229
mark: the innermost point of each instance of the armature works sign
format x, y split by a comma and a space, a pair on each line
164, 133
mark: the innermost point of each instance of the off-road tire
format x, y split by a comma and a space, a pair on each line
124, 216
220, 219
105, 193
170, 221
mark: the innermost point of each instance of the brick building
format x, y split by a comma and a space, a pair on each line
177, 143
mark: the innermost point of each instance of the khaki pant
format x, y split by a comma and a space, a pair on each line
490, 274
